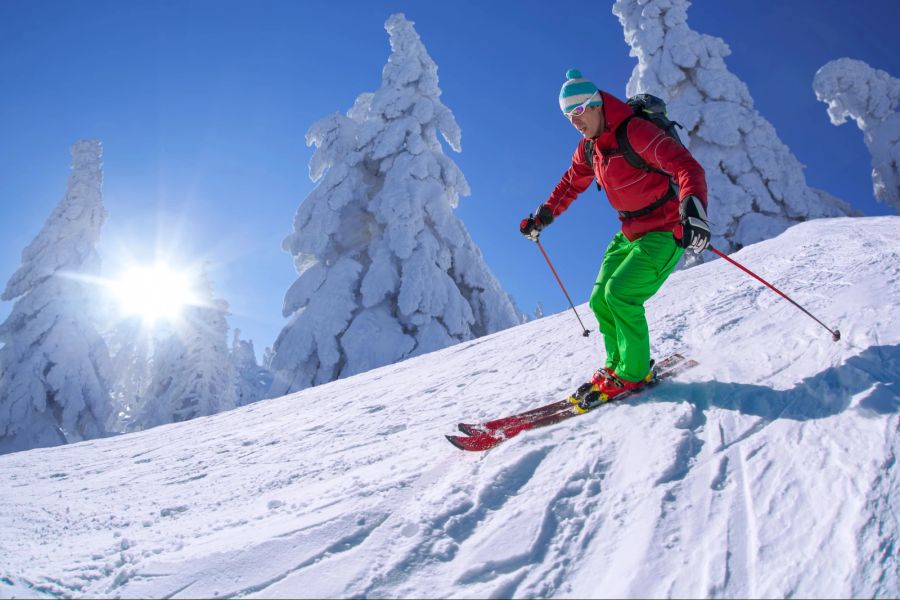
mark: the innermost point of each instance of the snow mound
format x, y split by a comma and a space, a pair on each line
766, 471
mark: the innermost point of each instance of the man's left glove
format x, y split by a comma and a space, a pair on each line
693, 231
532, 225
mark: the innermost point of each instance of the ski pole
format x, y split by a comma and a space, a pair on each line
835, 334
586, 332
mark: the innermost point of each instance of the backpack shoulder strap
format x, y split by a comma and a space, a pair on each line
627, 150
589, 152
589, 156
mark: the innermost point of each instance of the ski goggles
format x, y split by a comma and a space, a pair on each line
579, 110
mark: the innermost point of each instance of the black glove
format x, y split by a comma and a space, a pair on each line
531, 226
693, 231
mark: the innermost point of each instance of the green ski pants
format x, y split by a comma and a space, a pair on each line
630, 274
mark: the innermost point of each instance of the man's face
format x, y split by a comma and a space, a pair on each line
590, 123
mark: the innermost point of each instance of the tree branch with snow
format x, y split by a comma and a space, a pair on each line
854, 90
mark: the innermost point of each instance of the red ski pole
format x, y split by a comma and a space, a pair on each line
835, 334
586, 332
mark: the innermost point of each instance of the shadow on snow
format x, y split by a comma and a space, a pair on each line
823, 395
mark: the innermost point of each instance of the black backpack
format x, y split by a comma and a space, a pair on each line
653, 109
647, 107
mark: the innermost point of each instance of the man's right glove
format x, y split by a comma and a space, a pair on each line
693, 231
531, 226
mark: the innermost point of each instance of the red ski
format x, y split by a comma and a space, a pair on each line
487, 435
660, 367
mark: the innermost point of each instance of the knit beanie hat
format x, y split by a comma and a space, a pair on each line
576, 90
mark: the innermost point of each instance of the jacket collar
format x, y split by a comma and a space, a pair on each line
614, 112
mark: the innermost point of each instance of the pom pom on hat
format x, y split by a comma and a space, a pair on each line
576, 90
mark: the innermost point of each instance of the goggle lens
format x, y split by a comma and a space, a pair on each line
579, 110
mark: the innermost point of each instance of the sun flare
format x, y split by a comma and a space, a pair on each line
153, 292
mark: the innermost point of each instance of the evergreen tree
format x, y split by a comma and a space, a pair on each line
252, 382
757, 188
386, 270
131, 346
854, 90
54, 365
192, 373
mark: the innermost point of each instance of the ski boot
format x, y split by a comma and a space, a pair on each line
593, 385
598, 391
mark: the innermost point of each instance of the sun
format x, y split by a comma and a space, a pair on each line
154, 292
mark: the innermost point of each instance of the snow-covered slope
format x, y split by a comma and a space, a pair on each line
767, 471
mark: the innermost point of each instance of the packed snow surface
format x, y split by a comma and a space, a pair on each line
766, 471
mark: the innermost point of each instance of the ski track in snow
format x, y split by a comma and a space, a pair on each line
767, 474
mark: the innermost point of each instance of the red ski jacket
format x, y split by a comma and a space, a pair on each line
628, 188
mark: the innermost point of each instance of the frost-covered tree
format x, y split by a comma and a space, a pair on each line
386, 269
169, 378
854, 90
54, 365
757, 188
252, 382
192, 373
130, 346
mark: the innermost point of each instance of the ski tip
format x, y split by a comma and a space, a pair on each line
468, 429
455, 440
476, 443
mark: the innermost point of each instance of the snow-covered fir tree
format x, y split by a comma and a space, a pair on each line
169, 377
192, 373
252, 382
54, 365
757, 187
130, 346
386, 269
854, 90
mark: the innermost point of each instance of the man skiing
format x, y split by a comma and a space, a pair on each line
662, 207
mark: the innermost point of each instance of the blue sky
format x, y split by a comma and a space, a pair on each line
202, 108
